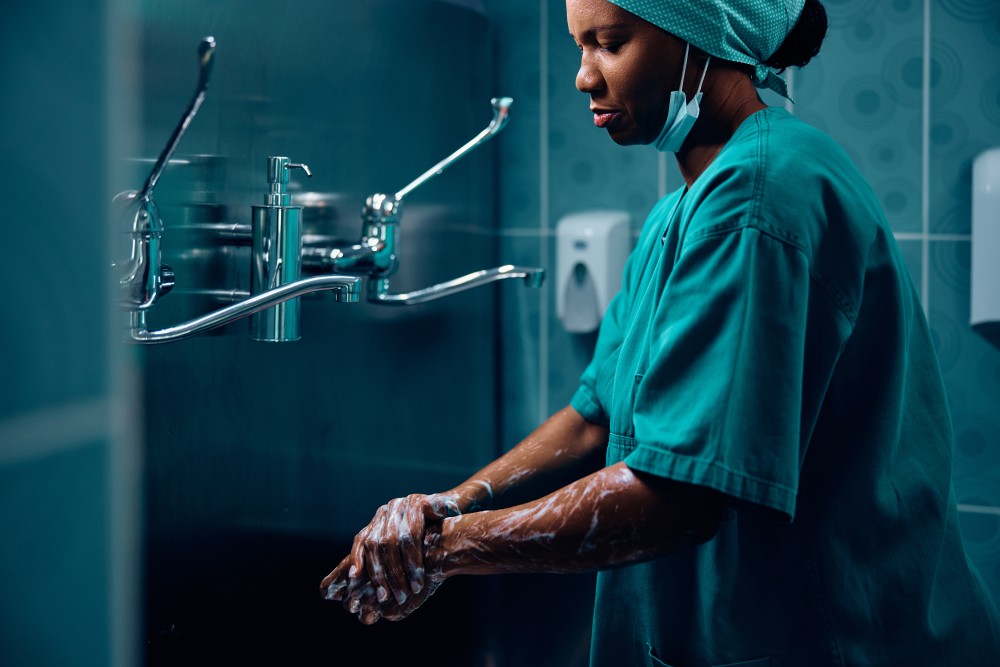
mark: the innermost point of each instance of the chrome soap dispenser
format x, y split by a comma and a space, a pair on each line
276, 253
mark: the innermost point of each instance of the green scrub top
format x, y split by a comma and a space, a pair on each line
768, 343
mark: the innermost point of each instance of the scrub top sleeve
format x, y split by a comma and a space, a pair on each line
587, 400
720, 404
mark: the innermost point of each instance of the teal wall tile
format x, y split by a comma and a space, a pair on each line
54, 262
61, 594
520, 365
56, 606
518, 62
971, 368
864, 90
912, 252
965, 105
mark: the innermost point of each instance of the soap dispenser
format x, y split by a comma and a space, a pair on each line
591, 249
276, 257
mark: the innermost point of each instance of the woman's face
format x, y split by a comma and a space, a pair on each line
628, 66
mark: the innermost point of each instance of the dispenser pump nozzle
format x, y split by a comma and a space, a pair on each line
277, 179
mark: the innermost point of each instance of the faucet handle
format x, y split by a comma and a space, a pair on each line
501, 114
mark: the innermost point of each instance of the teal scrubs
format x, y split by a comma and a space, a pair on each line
768, 343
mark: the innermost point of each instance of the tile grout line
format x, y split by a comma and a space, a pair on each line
543, 204
920, 236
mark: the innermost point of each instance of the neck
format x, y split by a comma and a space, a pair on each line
729, 99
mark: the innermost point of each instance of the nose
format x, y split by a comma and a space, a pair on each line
588, 77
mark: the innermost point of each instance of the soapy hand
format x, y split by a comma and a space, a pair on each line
384, 575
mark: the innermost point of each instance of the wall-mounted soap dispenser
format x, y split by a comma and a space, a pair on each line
591, 249
984, 312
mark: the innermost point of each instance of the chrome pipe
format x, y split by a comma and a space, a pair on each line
345, 289
378, 289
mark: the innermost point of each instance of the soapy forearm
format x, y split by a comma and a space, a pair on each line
608, 519
566, 446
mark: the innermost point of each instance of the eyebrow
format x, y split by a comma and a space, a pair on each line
599, 28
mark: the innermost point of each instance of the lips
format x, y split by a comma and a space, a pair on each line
603, 117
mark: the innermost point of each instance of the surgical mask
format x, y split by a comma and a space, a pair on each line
681, 114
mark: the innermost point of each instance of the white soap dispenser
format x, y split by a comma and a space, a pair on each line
984, 313
591, 249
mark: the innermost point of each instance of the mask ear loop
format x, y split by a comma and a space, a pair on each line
680, 86
703, 72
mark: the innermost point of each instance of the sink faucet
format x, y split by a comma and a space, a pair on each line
278, 250
143, 278
376, 254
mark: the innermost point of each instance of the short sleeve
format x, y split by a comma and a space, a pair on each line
721, 401
587, 398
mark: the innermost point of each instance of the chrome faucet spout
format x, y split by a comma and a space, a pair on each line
345, 289
378, 290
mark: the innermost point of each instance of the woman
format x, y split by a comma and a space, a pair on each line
757, 461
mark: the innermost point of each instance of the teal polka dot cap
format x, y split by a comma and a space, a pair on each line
743, 31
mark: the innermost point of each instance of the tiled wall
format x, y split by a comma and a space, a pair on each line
68, 501
910, 88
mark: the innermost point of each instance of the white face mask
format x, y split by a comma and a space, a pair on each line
681, 114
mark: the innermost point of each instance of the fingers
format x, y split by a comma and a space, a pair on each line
368, 608
334, 585
390, 538
384, 575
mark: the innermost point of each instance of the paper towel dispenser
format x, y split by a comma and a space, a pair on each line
591, 249
985, 293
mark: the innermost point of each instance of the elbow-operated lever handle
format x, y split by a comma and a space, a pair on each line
206, 61
144, 279
501, 114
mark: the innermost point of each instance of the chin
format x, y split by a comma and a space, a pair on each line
626, 139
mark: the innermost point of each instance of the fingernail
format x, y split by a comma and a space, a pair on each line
355, 606
400, 597
415, 586
382, 595
353, 572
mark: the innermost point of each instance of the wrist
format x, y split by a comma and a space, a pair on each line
437, 564
473, 496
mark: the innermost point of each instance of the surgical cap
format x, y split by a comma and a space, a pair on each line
742, 31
